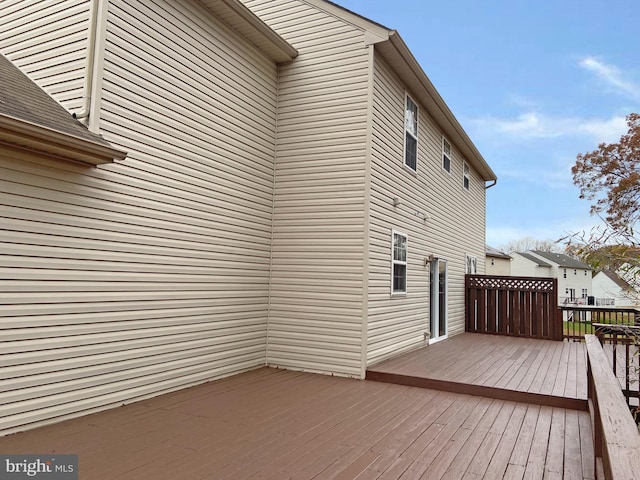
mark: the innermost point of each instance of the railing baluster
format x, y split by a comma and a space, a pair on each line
627, 390
615, 355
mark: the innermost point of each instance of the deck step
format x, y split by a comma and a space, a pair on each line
479, 390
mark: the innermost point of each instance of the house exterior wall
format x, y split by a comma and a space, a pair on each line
523, 267
606, 289
318, 262
497, 266
133, 279
438, 216
48, 41
576, 279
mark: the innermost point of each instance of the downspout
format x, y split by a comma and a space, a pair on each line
95, 57
487, 187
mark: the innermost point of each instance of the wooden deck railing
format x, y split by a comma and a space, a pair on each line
513, 306
620, 344
616, 437
577, 320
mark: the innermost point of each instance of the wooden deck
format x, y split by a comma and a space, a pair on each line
274, 424
543, 372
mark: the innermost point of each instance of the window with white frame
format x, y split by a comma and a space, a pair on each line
471, 265
446, 155
399, 263
411, 134
466, 175
585, 293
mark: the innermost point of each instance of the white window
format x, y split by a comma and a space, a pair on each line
564, 273
585, 293
411, 135
472, 265
446, 155
399, 263
466, 174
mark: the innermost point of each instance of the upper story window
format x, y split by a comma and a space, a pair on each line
446, 155
399, 263
411, 135
472, 265
466, 175
564, 273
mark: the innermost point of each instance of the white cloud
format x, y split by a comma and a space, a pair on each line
611, 76
533, 125
555, 176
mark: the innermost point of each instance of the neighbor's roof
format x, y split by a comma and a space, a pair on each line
493, 252
533, 259
622, 283
392, 48
31, 118
563, 260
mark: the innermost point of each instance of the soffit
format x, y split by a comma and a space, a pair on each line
241, 19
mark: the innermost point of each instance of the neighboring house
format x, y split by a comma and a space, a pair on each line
609, 288
295, 193
497, 262
574, 277
525, 264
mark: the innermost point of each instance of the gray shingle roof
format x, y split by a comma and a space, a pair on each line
563, 260
534, 259
622, 283
22, 99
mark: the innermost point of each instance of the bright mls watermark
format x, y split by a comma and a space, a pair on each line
46, 467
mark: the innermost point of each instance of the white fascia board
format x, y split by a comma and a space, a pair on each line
28, 135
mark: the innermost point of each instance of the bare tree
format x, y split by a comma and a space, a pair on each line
610, 177
529, 243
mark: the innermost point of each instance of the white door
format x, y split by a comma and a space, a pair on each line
438, 300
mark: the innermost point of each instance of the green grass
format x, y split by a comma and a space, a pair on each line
577, 328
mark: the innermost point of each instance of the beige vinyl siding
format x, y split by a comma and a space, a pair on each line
152, 274
454, 224
48, 41
316, 309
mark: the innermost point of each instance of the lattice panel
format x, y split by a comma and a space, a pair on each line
511, 283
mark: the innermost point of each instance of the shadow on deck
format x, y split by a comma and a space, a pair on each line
540, 372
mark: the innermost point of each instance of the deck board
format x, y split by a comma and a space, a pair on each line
277, 424
528, 370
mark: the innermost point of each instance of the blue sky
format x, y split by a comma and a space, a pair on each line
533, 83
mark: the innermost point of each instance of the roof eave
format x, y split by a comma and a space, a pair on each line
498, 255
14, 131
414, 76
243, 20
